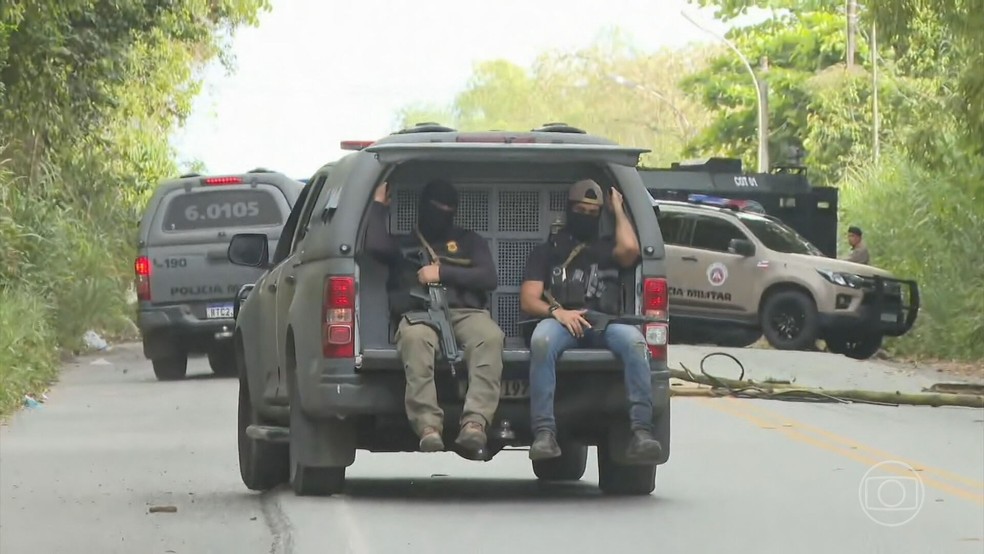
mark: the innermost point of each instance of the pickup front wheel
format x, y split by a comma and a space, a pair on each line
858, 348
789, 320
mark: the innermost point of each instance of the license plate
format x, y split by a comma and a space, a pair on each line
510, 388
219, 311
889, 318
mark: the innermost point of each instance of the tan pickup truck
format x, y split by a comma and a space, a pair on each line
735, 276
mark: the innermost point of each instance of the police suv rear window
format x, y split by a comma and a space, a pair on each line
221, 208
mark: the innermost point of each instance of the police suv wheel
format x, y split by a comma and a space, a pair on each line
172, 368
789, 320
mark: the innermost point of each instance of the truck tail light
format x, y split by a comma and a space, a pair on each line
338, 318
141, 268
356, 144
213, 181
655, 304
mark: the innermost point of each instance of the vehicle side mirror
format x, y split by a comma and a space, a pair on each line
250, 250
741, 247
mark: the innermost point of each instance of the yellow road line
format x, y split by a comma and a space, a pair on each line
734, 408
855, 444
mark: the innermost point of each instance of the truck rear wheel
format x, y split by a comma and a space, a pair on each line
789, 320
320, 451
568, 467
262, 465
222, 359
317, 481
171, 368
623, 479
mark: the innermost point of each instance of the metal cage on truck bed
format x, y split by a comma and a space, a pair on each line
513, 218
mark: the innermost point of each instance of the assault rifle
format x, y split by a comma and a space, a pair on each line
599, 321
438, 314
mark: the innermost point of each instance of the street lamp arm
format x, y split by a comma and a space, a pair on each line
727, 43
763, 150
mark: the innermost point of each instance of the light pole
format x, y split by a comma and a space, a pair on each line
761, 96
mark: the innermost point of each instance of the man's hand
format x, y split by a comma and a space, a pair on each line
615, 203
382, 194
573, 320
429, 274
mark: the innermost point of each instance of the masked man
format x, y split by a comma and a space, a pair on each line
461, 261
571, 273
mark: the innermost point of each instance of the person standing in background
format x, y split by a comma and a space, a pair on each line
859, 250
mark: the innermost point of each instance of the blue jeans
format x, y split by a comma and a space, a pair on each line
550, 339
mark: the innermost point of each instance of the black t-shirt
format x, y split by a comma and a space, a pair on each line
542, 258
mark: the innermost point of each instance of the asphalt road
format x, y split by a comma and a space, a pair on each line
82, 472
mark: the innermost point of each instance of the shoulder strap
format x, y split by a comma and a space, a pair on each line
574, 252
434, 259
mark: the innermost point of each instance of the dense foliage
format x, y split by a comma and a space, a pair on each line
900, 131
89, 93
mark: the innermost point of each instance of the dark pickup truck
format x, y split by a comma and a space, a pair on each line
319, 372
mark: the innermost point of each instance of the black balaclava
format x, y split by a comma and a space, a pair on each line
583, 227
433, 222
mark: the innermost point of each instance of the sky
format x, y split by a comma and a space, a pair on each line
316, 72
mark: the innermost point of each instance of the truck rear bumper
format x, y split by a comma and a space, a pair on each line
590, 383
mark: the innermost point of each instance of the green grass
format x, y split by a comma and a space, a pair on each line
28, 347
62, 272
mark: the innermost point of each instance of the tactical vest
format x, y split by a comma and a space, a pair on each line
403, 284
577, 281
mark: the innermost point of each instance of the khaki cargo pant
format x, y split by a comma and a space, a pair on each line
481, 342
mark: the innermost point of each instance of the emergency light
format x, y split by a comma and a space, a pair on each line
738, 205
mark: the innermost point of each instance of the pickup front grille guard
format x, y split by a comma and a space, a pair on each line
910, 303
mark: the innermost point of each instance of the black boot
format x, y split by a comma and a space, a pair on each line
544, 446
644, 447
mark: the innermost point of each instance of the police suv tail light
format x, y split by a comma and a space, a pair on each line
655, 304
141, 268
338, 318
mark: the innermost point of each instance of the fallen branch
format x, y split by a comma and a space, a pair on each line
721, 386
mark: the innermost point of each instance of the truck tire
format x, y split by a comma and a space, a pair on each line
789, 320
317, 481
568, 467
332, 442
262, 465
222, 359
622, 479
172, 368
860, 348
